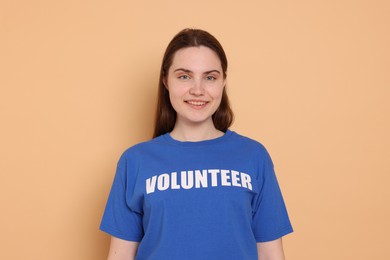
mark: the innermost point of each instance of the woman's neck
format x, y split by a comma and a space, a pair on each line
195, 133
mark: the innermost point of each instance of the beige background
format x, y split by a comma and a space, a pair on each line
309, 79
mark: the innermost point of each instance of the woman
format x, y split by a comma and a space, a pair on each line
196, 190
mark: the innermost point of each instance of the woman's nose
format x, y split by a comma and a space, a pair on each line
197, 88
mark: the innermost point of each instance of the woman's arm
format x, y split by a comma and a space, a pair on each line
272, 250
122, 250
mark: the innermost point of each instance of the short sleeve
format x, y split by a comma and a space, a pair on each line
270, 217
119, 220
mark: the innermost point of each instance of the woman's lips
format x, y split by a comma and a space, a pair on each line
196, 103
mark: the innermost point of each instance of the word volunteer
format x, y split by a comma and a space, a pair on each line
198, 179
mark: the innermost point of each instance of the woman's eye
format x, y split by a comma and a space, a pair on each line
184, 77
211, 78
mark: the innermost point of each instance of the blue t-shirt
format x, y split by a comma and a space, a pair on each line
211, 199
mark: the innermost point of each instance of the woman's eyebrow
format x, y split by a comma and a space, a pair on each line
181, 69
189, 71
211, 71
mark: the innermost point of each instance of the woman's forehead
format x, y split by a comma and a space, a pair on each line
196, 59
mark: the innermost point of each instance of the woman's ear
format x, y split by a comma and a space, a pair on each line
164, 80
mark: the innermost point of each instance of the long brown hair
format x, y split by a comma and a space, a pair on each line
165, 114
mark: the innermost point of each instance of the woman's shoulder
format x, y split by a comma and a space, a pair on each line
248, 142
141, 146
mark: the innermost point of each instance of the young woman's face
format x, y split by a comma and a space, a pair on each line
195, 83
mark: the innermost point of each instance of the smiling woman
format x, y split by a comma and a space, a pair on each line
184, 44
228, 204
195, 84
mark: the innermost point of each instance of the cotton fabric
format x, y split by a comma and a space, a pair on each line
211, 199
